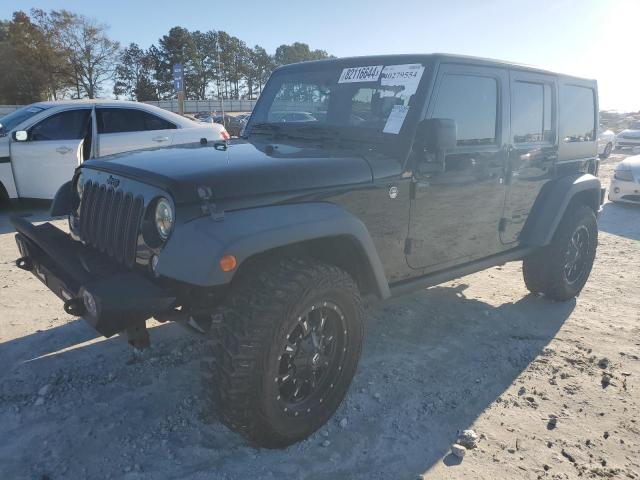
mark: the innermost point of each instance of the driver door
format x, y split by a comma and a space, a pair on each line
52, 151
455, 213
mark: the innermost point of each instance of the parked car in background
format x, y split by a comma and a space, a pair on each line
42, 144
625, 183
232, 123
629, 137
293, 117
606, 141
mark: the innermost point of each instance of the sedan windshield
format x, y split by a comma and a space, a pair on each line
634, 126
358, 102
9, 122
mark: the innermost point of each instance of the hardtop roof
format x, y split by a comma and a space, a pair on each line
424, 57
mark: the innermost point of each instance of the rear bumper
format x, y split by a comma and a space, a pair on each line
70, 270
627, 142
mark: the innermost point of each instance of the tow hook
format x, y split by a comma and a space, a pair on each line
24, 263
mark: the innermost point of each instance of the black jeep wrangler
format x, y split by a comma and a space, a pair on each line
355, 179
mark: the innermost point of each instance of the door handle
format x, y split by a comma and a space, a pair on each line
160, 139
63, 150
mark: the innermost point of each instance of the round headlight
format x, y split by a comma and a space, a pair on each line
164, 218
79, 186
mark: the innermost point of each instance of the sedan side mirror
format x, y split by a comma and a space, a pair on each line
20, 136
434, 137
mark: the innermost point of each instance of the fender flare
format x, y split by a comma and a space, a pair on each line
62, 201
552, 203
193, 251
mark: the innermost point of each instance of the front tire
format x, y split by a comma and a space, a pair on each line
284, 352
561, 269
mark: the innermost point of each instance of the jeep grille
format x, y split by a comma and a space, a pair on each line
110, 220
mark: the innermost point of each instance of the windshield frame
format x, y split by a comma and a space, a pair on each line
17, 117
397, 144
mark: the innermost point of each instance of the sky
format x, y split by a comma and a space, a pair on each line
590, 38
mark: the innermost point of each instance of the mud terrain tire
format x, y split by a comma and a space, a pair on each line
561, 269
260, 338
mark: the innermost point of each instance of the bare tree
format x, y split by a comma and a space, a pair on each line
91, 54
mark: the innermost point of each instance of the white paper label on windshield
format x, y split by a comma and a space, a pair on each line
407, 77
360, 74
395, 119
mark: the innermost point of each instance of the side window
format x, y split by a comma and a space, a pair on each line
120, 120
531, 114
577, 114
472, 101
153, 122
68, 125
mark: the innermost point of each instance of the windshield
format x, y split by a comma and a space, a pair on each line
360, 101
9, 122
634, 126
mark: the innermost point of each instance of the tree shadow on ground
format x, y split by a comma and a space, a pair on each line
431, 364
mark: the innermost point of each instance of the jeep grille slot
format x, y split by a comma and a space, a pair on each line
110, 221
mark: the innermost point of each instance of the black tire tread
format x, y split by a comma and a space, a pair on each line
240, 337
542, 271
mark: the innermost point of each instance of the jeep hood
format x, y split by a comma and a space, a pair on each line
239, 170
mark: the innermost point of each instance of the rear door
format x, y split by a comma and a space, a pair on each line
533, 147
455, 214
125, 129
52, 152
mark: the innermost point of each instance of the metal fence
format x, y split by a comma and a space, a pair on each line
190, 106
194, 106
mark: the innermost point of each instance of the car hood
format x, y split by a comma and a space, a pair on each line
630, 163
238, 169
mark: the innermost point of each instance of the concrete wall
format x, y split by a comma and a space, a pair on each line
6, 109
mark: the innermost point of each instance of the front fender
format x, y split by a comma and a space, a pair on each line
193, 251
552, 203
63, 201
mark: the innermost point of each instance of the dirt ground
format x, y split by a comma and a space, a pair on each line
476, 353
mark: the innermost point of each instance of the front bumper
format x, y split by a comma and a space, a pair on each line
122, 297
624, 191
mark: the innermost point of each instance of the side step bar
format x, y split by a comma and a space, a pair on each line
407, 286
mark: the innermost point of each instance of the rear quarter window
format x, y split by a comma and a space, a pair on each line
577, 114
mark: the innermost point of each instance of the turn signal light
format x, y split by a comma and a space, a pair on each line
228, 263
225, 135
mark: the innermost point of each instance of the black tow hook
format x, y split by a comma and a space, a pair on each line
75, 307
24, 263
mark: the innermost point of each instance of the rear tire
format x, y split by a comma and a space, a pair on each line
561, 269
607, 151
272, 372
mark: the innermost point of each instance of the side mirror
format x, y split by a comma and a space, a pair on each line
20, 136
434, 137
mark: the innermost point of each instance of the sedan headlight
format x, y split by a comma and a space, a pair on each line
624, 175
164, 218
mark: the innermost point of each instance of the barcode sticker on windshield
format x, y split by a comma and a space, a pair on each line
405, 76
360, 74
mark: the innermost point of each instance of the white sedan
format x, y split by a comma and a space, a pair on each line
42, 144
606, 142
625, 184
629, 137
